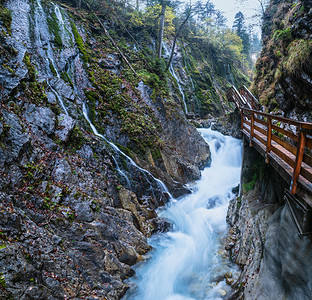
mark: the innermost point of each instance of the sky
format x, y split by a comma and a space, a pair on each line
231, 7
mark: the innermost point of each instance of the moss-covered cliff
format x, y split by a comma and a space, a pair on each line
283, 78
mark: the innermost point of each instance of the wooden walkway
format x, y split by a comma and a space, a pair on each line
286, 144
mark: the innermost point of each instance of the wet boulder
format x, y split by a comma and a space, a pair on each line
66, 125
40, 117
84, 212
16, 136
61, 171
63, 89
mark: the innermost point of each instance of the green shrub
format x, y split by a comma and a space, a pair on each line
283, 35
299, 56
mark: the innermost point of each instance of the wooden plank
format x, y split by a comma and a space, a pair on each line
262, 122
269, 140
305, 184
299, 158
306, 126
263, 131
309, 143
260, 138
306, 172
247, 130
252, 129
286, 132
278, 118
286, 145
247, 122
279, 151
307, 159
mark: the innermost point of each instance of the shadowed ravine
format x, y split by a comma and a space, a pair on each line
187, 263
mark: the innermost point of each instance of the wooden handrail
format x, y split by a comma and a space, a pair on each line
291, 149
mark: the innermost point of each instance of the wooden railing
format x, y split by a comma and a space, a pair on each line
285, 143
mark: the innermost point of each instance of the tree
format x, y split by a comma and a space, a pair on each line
176, 37
240, 29
220, 19
161, 28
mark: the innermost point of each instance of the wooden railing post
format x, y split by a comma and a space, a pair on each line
269, 139
299, 158
252, 128
242, 120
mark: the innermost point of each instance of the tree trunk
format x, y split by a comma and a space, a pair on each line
175, 40
113, 42
79, 4
161, 28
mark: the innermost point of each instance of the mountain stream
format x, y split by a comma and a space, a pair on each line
188, 262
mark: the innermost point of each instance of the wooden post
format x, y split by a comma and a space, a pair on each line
242, 120
269, 139
299, 158
252, 128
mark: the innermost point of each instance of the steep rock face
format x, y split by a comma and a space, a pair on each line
283, 79
75, 212
263, 238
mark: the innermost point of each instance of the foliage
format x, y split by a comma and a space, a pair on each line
2, 280
240, 29
247, 187
284, 35
147, 19
5, 18
299, 56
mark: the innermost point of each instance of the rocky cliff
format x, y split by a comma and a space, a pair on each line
76, 128
263, 238
283, 79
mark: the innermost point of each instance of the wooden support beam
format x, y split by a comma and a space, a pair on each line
252, 128
298, 163
269, 140
280, 145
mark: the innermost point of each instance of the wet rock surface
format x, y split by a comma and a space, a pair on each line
281, 82
75, 213
263, 239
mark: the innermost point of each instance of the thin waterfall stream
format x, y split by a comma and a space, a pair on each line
187, 262
174, 75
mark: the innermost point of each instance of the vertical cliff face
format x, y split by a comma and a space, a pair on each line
75, 210
263, 238
283, 79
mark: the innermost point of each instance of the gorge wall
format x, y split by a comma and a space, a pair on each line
283, 75
76, 209
263, 238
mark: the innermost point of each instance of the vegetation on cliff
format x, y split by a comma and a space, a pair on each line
283, 71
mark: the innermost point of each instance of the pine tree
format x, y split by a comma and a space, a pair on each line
240, 29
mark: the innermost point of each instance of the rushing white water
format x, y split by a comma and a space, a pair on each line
175, 76
186, 263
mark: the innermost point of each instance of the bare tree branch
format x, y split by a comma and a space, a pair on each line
175, 39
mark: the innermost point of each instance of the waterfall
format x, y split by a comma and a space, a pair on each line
174, 75
192, 84
185, 262
41, 44
148, 176
228, 74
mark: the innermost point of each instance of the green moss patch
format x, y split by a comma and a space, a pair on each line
54, 29
5, 18
79, 42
